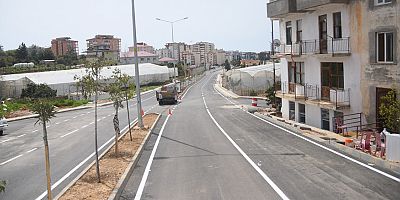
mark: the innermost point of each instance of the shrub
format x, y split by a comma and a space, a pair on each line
35, 91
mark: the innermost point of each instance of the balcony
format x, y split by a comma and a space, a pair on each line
326, 97
280, 8
333, 46
304, 5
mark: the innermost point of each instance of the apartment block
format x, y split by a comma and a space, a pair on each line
61, 46
105, 46
141, 46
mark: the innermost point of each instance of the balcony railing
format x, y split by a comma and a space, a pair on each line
338, 97
334, 46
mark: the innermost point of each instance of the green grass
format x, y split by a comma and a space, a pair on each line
23, 104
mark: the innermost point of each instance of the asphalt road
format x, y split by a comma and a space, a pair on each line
211, 149
71, 144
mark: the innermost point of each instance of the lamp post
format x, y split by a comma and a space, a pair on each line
172, 33
137, 82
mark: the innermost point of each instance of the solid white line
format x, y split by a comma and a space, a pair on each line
70, 133
147, 170
21, 135
31, 150
80, 164
255, 166
319, 145
9, 160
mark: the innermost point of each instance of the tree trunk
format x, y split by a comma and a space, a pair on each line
46, 152
95, 129
116, 127
129, 118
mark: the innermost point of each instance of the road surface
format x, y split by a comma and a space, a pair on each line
211, 149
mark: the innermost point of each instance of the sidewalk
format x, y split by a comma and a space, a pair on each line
327, 138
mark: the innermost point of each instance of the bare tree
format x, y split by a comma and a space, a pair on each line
91, 86
45, 110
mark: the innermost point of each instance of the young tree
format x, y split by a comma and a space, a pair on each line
117, 96
389, 111
45, 110
91, 84
128, 89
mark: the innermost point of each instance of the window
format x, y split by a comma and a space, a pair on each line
299, 30
302, 113
332, 75
337, 25
382, 2
289, 33
292, 111
325, 119
384, 47
296, 73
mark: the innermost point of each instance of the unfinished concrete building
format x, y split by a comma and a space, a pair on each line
338, 57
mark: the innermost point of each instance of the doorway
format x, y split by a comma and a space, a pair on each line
323, 34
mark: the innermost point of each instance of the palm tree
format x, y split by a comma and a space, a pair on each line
45, 110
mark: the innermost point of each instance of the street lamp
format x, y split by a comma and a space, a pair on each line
172, 32
138, 97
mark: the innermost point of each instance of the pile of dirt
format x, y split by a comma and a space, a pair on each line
112, 167
19, 113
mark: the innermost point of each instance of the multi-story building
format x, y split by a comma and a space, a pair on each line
141, 46
321, 59
163, 53
105, 46
63, 45
144, 57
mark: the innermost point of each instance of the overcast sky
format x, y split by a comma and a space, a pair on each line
230, 24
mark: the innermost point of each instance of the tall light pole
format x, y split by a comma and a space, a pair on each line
273, 59
172, 33
137, 82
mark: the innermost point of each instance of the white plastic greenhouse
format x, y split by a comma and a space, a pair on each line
63, 81
252, 79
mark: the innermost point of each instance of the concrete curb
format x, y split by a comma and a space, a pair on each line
359, 155
63, 191
72, 109
116, 193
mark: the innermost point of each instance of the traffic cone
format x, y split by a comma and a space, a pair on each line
142, 112
169, 112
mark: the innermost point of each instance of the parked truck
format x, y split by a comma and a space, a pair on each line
168, 94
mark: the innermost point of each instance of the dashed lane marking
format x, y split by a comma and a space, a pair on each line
69, 133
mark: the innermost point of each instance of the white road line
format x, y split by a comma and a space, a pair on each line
66, 120
84, 126
35, 131
99, 120
79, 165
6, 140
103, 117
21, 135
31, 150
255, 166
147, 170
69, 133
9, 160
48, 126
88, 112
319, 145
91, 123
74, 117
57, 123
109, 115
82, 114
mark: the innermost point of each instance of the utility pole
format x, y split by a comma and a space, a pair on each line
138, 97
273, 59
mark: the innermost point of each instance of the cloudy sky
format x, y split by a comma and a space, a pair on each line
230, 24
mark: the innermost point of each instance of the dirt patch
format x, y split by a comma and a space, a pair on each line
19, 113
112, 167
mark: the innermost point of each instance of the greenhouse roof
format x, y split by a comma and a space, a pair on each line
261, 68
67, 76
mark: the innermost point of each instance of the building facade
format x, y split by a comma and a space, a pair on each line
143, 57
141, 46
105, 46
63, 45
